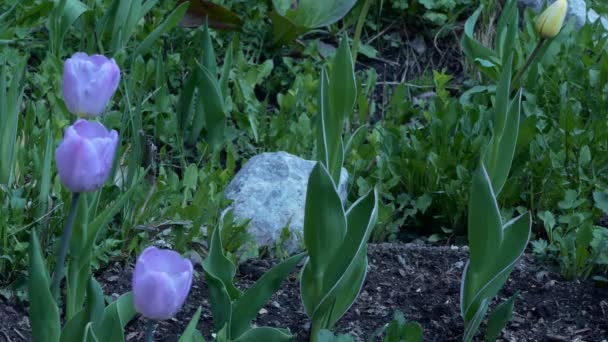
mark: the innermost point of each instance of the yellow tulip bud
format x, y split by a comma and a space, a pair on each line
550, 22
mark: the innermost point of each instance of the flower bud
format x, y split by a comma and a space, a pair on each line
161, 283
85, 156
88, 83
550, 22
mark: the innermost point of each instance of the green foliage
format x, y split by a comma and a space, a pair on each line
399, 329
335, 238
234, 310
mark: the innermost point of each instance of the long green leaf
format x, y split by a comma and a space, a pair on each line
246, 308
170, 22
212, 104
221, 304
265, 334
499, 318
44, 315
484, 221
92, 313
330, 151
219, 266
471, 326
115, 318
498, 162
324, 220
190, 334
343, 87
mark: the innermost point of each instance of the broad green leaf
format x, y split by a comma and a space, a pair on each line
246, 308
65, 14
208, 53
212, 102
487, 281
329, 132
89, 334
499, 318
413, 332
312, 13
164, 27
220, 267
190, 334
221, 304
343, 279
503, 93
484, 221
499, 158
343, 87
324, 219
265, 334
226, 73
115, 318
184, 107
471, 326
44, 315
508, 29
92, 313
284, 30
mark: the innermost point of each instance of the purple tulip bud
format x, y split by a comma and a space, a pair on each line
161, 283
84, 157
88, 83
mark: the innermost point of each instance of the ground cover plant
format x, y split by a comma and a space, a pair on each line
123, 123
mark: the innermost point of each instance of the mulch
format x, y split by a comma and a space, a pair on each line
420, 281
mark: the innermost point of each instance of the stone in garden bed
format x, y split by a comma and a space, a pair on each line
270, 190
423, 282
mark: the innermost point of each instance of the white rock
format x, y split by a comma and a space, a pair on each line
270, 190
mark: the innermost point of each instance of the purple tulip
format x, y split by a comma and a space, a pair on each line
161, 283
84, 157
88, 83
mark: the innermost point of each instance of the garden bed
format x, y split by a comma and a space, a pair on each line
422, 282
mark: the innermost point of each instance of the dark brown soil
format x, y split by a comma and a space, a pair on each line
422, 282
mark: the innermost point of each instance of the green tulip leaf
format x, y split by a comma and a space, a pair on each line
44, 314
484, 221
343, 90
92, 313
265, 334
499, 318
219, 266
89, 334
324, 229
499, 158
115, 318
212, 107
190, 334
174, 17
330, 151
472, 325
246, 308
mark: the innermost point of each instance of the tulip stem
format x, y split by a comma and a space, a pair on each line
529, 61
150, 326
63, 247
